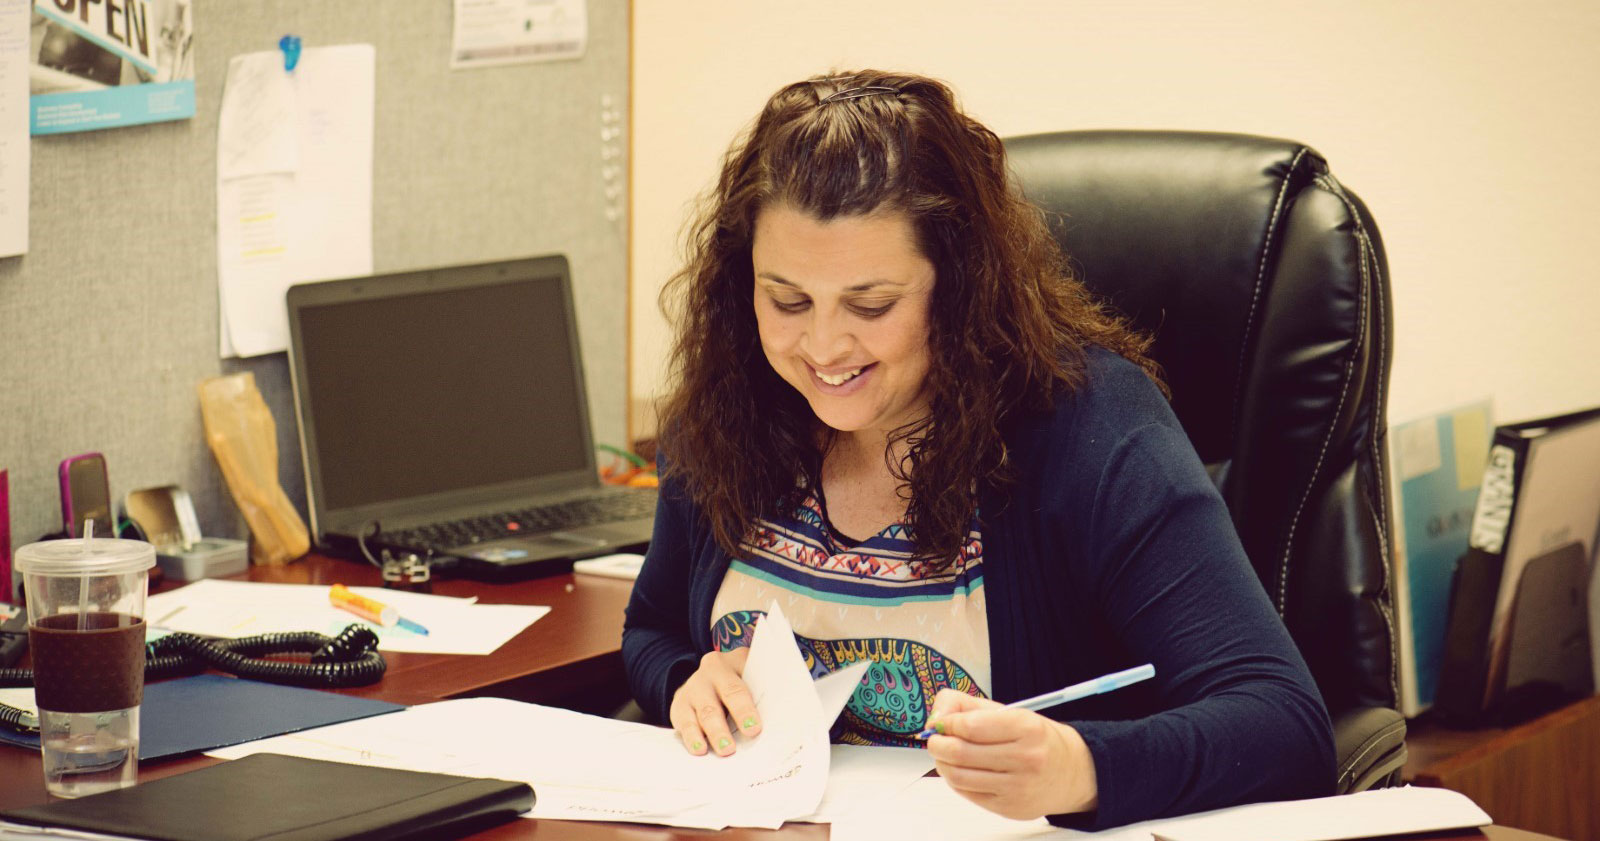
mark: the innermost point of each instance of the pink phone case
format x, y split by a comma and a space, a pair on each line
69, 515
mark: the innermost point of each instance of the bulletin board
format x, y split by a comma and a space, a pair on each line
109, 322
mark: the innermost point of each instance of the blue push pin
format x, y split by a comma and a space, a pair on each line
290, 44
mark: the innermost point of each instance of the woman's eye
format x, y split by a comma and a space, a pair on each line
871, 312
790, 306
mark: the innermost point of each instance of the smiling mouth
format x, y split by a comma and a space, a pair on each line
840, 378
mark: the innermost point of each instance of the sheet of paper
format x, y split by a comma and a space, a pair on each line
14, 148
572, 759
233, 609
294, 185
861, 777
20, 697
794, 732
490, 32
1368, 814
258, 131
930, 809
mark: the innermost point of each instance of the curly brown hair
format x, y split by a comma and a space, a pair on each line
1008, 324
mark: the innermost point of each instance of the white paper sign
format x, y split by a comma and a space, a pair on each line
490, 32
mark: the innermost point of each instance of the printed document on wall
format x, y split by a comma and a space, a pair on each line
489, 32
294, 185
14, 127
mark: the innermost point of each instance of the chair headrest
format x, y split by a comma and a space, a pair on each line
1179, 230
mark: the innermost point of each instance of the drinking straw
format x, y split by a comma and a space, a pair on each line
83, 585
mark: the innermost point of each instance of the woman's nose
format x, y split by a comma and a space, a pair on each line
828, 340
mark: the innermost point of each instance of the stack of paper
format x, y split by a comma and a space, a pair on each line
232, 609
588, 768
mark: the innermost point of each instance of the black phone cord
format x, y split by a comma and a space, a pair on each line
349, 659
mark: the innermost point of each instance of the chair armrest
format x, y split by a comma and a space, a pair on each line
1370, 743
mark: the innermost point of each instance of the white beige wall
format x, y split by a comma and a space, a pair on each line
1470, 128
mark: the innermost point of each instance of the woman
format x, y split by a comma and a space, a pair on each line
896, 411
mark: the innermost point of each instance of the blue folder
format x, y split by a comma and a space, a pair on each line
204, 712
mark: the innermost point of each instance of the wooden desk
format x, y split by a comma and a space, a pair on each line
571, 658
24, 786
573, 651
1543, 775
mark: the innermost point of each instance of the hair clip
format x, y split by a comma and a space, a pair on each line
857, 93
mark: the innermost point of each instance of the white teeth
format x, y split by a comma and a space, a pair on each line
838, 379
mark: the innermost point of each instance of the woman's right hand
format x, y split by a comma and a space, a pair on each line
702, 705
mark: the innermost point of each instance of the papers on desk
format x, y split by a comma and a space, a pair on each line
584, 767
860, 777
232, 609
930, 809
1369, 814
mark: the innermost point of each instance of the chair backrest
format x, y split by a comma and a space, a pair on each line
1265, 285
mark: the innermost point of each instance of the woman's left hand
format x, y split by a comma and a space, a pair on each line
1016, 763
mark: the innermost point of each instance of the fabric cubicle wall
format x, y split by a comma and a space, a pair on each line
110, 320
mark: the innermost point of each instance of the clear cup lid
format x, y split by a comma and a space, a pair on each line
102, 556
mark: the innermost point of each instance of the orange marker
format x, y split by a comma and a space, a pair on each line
371, 610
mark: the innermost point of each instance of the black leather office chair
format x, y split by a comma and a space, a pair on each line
1265, 285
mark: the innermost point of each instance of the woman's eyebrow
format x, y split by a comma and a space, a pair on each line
860, 287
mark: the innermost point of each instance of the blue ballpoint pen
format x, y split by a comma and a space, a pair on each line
1104, 683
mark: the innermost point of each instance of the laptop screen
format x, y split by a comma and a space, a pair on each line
415, 389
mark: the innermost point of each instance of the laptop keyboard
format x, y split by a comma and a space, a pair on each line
607, 507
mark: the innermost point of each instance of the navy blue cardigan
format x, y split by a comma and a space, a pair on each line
1111, 549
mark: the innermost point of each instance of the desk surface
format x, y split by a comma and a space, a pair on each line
576, 645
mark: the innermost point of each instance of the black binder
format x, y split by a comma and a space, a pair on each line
1550, 461
288, 798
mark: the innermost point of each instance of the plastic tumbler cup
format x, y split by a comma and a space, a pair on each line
86, 631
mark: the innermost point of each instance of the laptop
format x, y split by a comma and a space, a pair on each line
444, 410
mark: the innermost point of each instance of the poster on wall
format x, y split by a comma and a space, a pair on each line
108, 63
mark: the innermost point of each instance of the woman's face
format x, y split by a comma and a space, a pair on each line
842, 308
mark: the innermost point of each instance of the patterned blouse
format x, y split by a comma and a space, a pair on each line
851, 601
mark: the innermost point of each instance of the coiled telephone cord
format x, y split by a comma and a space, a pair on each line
349, 659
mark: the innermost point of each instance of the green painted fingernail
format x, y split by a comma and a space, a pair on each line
722, 743
699, 746
938, 727
749, 722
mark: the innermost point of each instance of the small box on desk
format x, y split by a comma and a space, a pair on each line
166, 516
210, 557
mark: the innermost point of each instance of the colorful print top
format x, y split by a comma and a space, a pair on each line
850, 602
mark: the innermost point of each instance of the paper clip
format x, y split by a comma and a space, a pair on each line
290, 44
